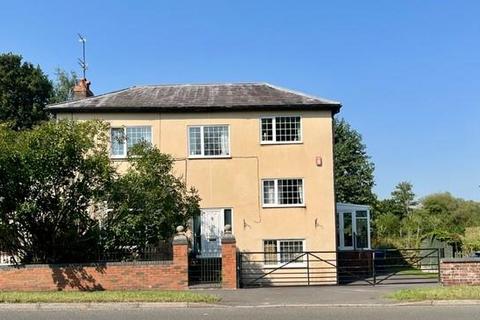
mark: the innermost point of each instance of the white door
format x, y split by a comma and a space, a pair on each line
211, 230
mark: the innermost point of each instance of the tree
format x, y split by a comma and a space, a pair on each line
403, 198
63, 86
49, 178
24, 92
353, 169
148, 202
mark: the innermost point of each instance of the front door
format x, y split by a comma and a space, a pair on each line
211, 230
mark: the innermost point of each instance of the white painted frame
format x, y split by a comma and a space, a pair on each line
279, 263
274, 130
276, 204
125, 147
202, 142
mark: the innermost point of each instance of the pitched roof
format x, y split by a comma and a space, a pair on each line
198, 97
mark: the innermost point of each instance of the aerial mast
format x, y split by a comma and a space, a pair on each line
81, 61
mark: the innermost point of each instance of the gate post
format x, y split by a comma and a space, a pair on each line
229, 259
180, 257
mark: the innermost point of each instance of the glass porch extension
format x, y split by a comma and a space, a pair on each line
353, 226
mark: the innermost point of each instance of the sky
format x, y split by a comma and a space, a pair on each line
407, 72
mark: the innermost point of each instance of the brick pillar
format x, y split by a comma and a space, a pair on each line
229, 259
180, 258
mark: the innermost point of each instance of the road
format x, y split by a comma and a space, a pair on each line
251, 313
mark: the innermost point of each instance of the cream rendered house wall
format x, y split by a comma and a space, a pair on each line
235, 182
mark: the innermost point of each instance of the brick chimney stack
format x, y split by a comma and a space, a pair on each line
82, 90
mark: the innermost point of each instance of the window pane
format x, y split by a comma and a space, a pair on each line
362, 233
216, 140
287, 128
195, 146
347, 230
290, 191
138, 134
361, 214
227, 217
270, 251
118, 141
267, 129
268, 192
291, 249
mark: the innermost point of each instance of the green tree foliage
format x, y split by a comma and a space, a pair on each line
24, 92
63, 85
353, 168
403, 198
55, 180
49, 178
471, 240
148, 202
401, 222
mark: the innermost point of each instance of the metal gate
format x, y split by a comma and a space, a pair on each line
205, 271
362, 267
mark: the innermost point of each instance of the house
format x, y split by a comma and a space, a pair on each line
260, 156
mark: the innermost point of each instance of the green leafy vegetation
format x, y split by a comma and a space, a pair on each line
403, 222
57, 180
63, 86
437, 293
161, 200
106, 296
24, 92
353, 168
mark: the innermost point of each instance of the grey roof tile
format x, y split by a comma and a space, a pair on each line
198, 97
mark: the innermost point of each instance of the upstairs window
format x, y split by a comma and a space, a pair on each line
208, 141
282, 192
281, 130
123, 139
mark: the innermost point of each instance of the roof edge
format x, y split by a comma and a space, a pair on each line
335, 108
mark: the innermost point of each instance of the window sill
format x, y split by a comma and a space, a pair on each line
291, 265
267, 143
120, 158
284, 206
209, 157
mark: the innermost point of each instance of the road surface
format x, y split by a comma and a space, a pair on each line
253, 313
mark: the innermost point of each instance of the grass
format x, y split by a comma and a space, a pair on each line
418, 272
437, 293
106, 296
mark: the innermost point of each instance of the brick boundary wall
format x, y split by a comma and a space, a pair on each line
146, 275
460, 271
229, 260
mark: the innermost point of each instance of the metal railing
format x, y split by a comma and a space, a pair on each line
163, 251
362, 267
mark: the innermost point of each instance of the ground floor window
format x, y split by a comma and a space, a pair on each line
283, 251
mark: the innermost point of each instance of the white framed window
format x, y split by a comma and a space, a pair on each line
282, 192
281, 251
124, 138
212, 141
284, 129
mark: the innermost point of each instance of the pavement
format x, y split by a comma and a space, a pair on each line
311, 296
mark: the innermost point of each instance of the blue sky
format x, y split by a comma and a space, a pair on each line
407, 72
